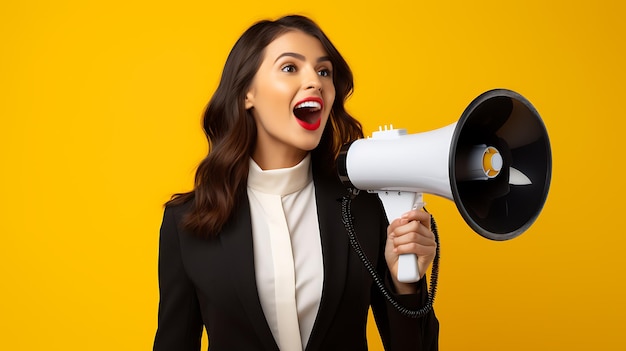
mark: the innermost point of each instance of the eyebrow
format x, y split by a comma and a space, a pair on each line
301, 57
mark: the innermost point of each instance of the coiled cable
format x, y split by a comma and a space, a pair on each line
347, 221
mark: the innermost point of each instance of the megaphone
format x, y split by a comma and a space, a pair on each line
495, 163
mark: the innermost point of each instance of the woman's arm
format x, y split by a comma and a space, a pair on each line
409, 234
179, 321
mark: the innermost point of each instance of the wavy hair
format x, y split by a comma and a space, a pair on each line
221, 177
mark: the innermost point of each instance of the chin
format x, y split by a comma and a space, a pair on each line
308, 140
308, 147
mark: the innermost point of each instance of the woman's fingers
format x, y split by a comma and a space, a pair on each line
410, 234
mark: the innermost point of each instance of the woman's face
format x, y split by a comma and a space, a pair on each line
290, 97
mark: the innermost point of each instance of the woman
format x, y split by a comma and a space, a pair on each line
257, 252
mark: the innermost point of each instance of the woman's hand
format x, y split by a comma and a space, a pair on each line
410, 234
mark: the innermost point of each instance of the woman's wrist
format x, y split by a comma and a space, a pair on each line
404, 288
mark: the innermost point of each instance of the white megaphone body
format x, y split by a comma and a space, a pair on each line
495, 164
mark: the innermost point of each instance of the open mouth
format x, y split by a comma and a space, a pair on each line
309, 113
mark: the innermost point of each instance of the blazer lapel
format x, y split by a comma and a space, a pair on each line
236, 240
335, 250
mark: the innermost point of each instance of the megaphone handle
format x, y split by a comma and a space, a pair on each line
397, 203
408, 271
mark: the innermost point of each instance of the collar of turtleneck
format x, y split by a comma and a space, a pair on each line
282, 181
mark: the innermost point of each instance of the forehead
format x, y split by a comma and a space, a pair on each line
297, 42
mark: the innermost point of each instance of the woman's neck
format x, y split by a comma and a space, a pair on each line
277, 160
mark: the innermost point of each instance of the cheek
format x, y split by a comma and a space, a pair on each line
273, 99
329, 98
275, 88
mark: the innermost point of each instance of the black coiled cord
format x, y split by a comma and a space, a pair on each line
347, 221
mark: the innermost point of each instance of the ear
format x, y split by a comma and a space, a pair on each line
249, 100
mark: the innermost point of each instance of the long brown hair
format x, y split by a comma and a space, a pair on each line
221, 178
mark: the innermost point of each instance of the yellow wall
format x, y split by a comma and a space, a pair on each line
100, 103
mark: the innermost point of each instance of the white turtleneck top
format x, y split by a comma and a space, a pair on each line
287, 250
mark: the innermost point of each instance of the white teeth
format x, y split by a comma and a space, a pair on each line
309, 104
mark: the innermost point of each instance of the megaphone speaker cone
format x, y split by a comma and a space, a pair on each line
501, 208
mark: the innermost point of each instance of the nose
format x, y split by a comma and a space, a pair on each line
312, 80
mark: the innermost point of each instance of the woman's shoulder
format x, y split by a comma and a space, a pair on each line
175, 215
179, 205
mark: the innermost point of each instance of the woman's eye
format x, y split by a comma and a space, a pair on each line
289, 68
324, 72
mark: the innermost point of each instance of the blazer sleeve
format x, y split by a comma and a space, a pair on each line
397, 331
179, 318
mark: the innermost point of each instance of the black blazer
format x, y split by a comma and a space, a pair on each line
211, 282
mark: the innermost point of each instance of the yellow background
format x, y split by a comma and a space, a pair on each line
100, 105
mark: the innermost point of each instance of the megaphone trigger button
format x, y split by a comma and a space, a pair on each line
419, 205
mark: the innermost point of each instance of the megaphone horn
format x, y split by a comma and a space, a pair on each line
495, 163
